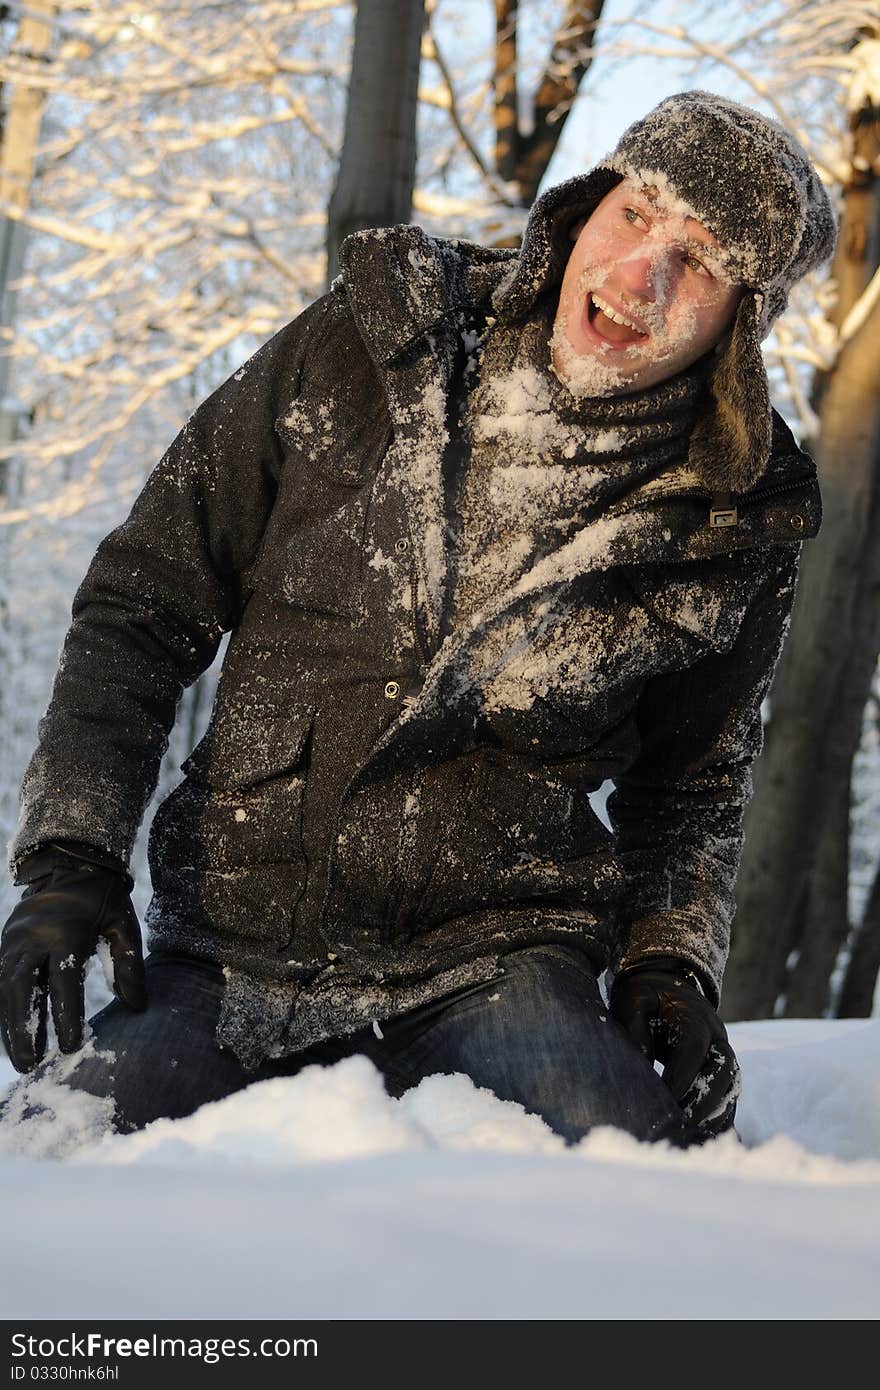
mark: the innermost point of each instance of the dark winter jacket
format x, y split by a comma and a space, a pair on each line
359, 822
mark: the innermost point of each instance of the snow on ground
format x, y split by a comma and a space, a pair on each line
319, 1196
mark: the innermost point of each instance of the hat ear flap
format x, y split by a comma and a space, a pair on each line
730, 442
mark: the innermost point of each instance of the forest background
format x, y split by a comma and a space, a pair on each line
173, 182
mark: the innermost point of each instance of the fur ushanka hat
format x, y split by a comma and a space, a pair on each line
753, 186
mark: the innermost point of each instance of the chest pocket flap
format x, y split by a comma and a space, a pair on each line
338, 422
706, 599
250, 742
313, 552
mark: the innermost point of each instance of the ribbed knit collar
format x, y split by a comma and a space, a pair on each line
652, 426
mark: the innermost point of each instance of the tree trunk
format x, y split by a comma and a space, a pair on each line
571, 56
824, 924
21, 119
860, 981
522, 159
18, 149
504, 111
784, 822
377, 166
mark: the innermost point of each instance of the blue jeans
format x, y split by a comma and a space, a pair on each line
538, 1034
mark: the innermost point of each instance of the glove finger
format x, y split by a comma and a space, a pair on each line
636, 1022
126, 952
67, 997
710, 1129
717, 1087
26, 1015
685, 1057
4, 1031
4, 1014
5, 974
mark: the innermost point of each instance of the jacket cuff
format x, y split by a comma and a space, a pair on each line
67, 854
674, 965
671, 934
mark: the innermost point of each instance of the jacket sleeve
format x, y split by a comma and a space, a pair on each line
149, 615
677, 811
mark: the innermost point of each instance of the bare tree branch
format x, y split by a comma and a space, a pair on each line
571, 56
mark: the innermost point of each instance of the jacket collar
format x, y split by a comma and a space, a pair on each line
404, 287
402, 284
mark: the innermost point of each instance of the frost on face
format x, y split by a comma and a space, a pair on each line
645, 294
669, 320
584, 376
676, 211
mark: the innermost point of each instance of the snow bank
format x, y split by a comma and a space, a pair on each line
319, 1196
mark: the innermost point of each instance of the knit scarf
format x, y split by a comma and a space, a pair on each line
532, 463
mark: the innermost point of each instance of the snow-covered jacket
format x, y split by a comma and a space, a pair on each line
368, 799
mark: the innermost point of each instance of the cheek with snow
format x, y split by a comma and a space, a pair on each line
674, 306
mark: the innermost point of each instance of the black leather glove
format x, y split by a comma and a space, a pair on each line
659, 1001
70, 904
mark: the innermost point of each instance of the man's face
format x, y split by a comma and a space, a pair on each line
645, 293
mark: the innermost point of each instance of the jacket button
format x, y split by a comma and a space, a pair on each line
797, 521
392, 690
401, 546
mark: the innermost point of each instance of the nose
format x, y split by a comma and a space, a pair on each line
649, 276
637, 274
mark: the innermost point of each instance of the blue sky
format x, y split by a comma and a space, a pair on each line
617, 91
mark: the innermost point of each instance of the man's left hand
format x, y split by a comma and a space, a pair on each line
659, 1003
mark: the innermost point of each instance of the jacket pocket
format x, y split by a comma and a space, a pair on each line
522, 834
252, 764
226, 846
704, 600
313, 554
542, 809
249, 743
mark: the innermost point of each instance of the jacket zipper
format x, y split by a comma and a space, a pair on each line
701, 494
417, 635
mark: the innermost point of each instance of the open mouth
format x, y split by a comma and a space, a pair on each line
610, 324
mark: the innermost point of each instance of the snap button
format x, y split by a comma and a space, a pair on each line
797, 521
401, 546
392, 690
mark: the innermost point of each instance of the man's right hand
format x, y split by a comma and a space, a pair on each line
46, 945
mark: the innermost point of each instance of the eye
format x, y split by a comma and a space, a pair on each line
694, 263
633, 216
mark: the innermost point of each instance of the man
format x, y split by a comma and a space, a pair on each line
487, 530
